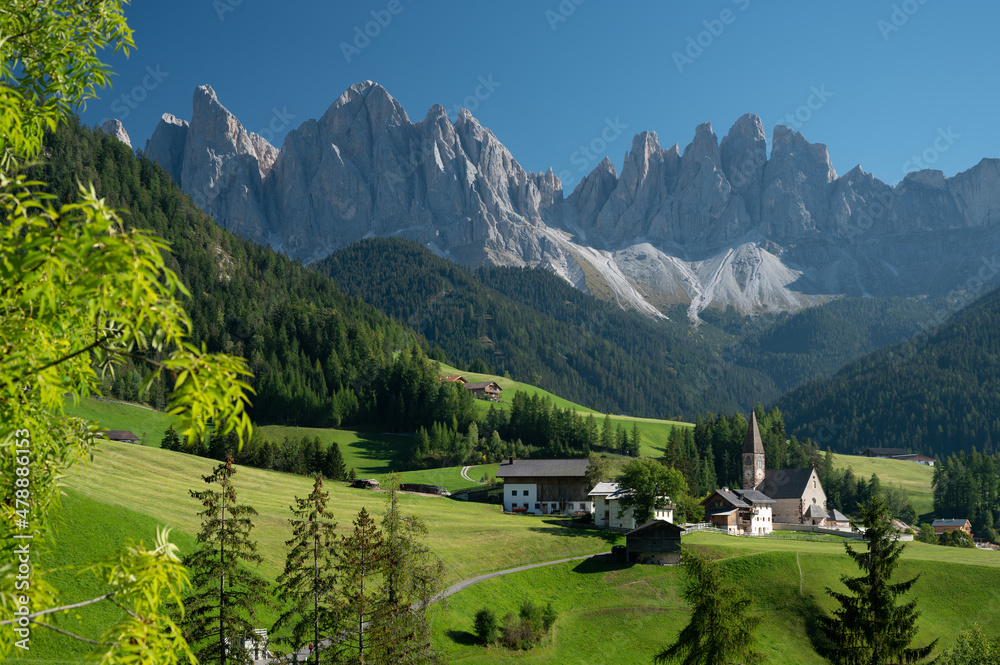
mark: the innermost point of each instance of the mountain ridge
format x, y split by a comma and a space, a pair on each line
719, 224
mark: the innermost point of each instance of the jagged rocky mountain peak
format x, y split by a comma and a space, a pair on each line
721, 223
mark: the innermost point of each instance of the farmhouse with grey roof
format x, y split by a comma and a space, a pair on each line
545, 486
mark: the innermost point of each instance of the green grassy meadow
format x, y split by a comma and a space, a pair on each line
617, 613
915, 479
148, 424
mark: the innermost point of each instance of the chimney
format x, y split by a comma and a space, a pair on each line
511, 460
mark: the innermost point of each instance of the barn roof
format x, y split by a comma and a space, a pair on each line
481, 385
888, 452
119, 435
550, 468
752, 443
663, 524
786, 483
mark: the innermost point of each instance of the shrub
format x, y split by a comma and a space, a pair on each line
486, 625
528, 627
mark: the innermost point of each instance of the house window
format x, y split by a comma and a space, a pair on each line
538, 506
524, 493
513, 492
525, 505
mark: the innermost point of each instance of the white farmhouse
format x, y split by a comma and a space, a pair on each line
607, 504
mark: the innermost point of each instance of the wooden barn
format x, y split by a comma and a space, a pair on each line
545, 486
120, 435
656, 541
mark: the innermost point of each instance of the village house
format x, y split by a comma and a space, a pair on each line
607, 506
545, 486
739, 511
454, 378
656, 541
485, 390
943, 526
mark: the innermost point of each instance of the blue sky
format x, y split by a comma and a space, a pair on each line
894, 86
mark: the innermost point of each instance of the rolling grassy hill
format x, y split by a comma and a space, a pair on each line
915, 479
615, 613
654, 432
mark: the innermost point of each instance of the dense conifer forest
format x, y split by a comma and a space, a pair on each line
937, 394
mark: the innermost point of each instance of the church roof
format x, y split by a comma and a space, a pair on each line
786, 483
816, 511
753, 444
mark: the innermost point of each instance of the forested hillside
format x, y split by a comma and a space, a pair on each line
319, 357
535, 326
937, 394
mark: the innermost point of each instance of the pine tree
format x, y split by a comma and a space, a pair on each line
306, 590
219, 611
607, 435
721, 629
334, 467
361, 564
869, 628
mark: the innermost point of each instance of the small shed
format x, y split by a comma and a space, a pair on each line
656, 541
365, 484
120, 435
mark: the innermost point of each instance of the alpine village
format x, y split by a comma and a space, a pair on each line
338, 384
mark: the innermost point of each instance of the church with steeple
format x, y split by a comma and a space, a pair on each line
769, 496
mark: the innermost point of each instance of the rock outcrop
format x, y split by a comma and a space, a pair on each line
720, 224
113, 127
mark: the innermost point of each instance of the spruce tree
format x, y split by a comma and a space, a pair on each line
219, 611
869, 628
334, 467
306, 589
721, 629
170, 440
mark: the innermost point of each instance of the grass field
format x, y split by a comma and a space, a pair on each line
449, 476
147, 423
915, 479
624, 614
368, 453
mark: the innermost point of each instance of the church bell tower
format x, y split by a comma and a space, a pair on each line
753, 457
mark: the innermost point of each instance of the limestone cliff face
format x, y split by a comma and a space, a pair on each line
113, 127
719, 224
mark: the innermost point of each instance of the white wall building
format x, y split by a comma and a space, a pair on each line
607, 503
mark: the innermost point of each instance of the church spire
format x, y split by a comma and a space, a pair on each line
753, 456
752, 444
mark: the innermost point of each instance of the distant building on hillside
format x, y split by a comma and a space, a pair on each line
120, 435
607, 505
898, 453
484, 390
943, 526
545, 486
455, 378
